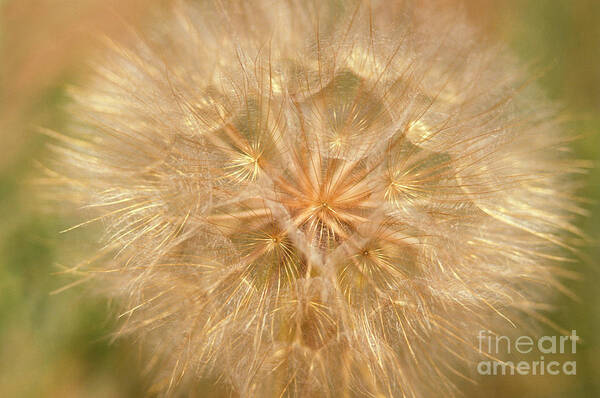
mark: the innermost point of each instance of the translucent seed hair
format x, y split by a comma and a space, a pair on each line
317, 198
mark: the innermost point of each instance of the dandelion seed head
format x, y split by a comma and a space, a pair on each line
318, 199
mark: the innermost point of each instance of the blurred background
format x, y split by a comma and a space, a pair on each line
56, 343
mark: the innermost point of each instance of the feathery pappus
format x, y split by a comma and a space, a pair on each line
318, 198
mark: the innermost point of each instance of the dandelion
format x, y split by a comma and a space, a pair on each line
318, 198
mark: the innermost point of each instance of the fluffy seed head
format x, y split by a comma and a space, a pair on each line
318, 198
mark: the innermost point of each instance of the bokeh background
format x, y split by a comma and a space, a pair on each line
57, 343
